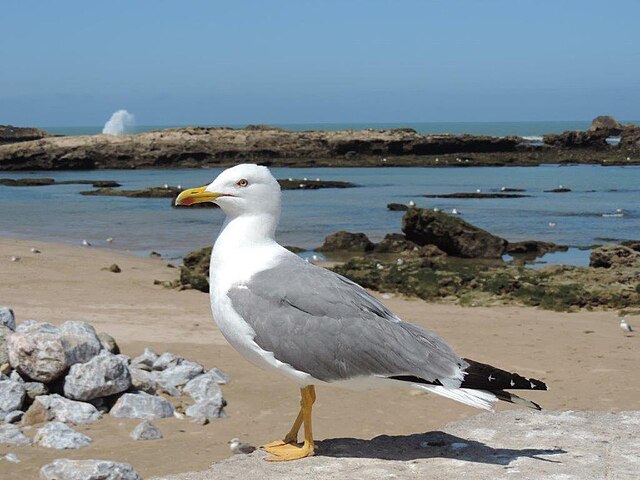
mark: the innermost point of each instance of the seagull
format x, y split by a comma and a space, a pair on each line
552, 224
109, 240
412, 203
238, 447
624, 325
455, 212
166, 185
318, 328
86, 243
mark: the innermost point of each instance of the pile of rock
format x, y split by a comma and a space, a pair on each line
72, 375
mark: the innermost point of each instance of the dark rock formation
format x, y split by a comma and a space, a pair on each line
533, 248
609, 256
475, 195
194, 273
11, 134
632, 244
40, 182
346, 242
558, 190
310, 184
397, 207
593, 139
395, 243
607, 123
151, 192
450, 234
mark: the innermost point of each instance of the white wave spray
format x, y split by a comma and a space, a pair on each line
120, 123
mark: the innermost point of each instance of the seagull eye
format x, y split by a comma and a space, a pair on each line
242, 183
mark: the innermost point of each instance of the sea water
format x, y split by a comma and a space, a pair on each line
585, 216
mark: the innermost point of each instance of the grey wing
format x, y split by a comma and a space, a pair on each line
331, 328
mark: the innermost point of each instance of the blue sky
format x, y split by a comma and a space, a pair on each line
303, 61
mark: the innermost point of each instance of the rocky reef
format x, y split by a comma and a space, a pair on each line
440, 257
221, 146
11, 134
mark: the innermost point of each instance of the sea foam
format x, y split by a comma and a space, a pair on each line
120, 123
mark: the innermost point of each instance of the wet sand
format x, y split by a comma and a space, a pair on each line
585, 358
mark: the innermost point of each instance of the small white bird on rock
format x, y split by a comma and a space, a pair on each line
238, 447
86, 243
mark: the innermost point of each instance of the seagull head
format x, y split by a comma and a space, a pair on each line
243, 189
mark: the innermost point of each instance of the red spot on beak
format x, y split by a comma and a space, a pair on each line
188, 201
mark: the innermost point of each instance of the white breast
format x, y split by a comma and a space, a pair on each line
234, 269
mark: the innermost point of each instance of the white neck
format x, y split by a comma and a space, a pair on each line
248, 230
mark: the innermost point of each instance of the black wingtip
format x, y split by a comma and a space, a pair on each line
481, 376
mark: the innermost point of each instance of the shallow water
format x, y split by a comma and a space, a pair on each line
59, 213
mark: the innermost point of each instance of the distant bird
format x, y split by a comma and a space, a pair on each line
15, 259
109, 240
400, 262
619, 210
560, 186
179, 187
239, 448
552, 224
624, 325
437, 160
455, 212
503, 189
290, 179
384, 159
628, 159
412, 203
436, 209
478, 190
35, 250
317, 179
86, 243
166, 185
305, 179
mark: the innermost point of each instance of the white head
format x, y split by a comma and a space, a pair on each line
245, 189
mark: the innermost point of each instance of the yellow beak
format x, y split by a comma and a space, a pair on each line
196, 195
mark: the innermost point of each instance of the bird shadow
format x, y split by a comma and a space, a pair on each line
428, 445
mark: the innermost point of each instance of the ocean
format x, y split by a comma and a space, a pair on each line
585, 216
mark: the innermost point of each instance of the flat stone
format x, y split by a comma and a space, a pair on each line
14, 416
108, 343
176, 375
65, 469
7, 318
522, 444
203, 387
209, 409
12, 395
56, 407
10, 434
142, 405
220, 377
143, 380
166, 360
59, 436
145, 360
15, 376
105, 374
146, 431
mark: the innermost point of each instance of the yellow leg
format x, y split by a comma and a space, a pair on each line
287, 450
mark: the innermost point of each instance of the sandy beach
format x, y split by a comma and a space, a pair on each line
585, 358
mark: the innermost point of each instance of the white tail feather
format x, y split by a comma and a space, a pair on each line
476, 398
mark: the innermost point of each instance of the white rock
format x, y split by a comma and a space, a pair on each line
7, 318
56, 407
43, 352
81, 342
105, 374
142, 405
203, 387
15, 376
65, 469
143, 380
145, 360
12, 435
35, 389
14, 416
11, 457
146, 431
166, 360
12, 396
5, 333
178, 375
59, 436
209, 409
